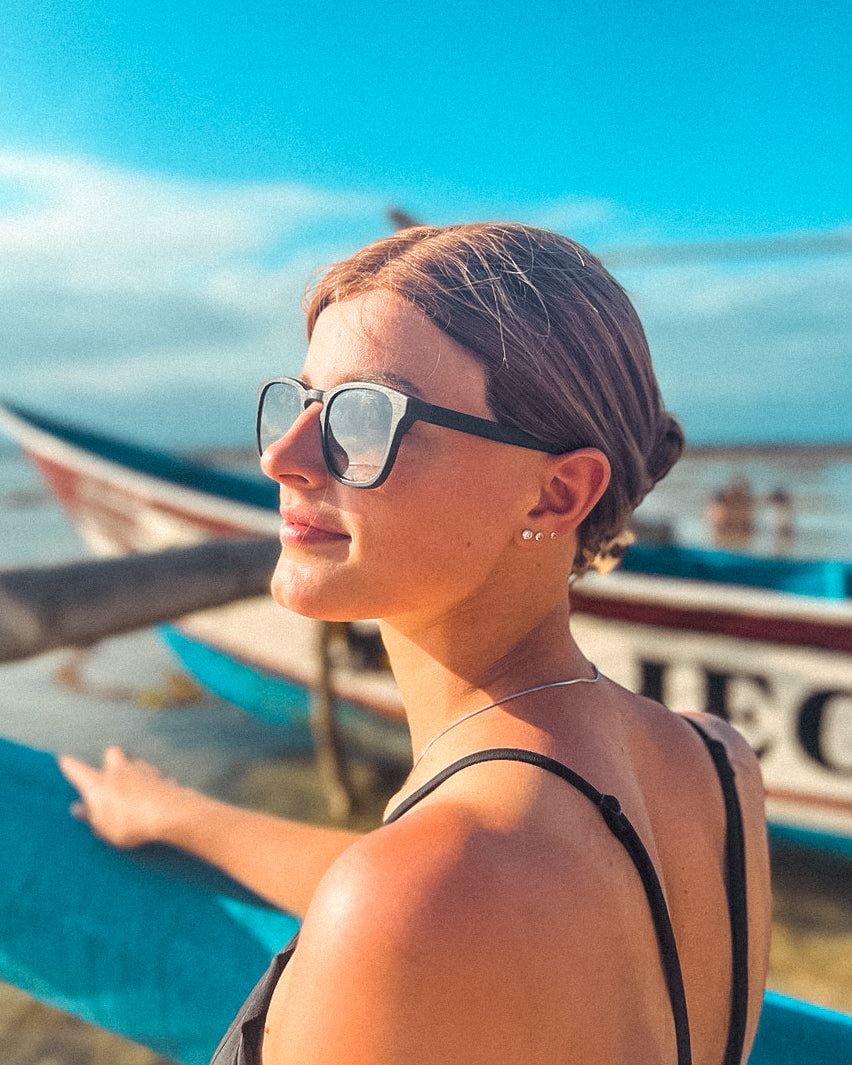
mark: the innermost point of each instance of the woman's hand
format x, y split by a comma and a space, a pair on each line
127, 802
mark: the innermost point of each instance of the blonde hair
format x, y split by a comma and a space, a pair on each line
564, 352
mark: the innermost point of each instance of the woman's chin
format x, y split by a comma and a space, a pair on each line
294, 596
308, 596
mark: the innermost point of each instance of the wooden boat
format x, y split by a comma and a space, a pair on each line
71, 934
775, 663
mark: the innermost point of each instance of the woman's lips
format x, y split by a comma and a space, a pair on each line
299, 527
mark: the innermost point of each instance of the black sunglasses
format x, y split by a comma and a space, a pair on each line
362, 424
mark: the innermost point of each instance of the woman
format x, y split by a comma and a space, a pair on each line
475, 421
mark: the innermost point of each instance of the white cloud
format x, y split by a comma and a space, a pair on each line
756, 351
92, 225
122, 284
118, 286
596, 222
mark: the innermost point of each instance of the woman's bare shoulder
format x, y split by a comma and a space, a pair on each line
384, 955
396, 883
740, 755
413, 927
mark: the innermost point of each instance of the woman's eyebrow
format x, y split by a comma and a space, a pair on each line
379, 377
391, 380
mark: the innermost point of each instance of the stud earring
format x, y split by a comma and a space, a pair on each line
528, 534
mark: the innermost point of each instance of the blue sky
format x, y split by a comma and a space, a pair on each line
171, 173
731, 116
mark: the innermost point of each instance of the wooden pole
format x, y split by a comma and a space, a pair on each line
330, 762
77, 604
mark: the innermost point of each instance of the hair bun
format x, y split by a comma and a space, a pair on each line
667, 448
607, 556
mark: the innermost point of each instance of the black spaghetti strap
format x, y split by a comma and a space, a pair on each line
735, 863
626, 834
494, 754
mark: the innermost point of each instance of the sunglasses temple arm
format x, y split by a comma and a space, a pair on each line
482, 427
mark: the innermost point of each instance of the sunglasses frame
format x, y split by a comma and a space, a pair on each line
406, 410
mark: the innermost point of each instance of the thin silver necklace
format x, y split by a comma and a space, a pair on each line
499, 702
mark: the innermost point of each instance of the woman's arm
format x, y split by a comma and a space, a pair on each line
128, 803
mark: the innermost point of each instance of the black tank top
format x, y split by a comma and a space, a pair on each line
241, 1044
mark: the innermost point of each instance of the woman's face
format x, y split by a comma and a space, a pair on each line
440, 527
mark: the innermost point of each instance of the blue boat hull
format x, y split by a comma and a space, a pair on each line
798, 1033
164, 950
822, 578
150, 944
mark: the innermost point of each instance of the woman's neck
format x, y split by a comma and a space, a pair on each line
446, 670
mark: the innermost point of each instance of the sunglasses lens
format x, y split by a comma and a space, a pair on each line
358, 433
280, 406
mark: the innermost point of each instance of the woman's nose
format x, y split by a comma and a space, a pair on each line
298, 453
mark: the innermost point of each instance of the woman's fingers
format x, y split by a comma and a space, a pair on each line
78, 773
123, 801
115, 758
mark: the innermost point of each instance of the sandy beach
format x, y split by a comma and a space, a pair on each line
34, 1034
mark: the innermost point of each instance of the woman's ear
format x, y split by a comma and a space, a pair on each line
572, 485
